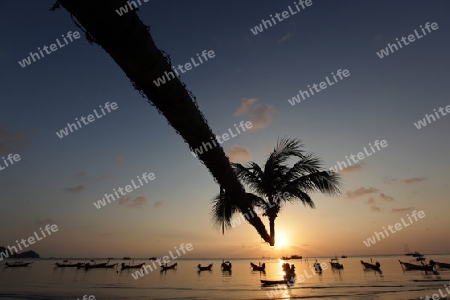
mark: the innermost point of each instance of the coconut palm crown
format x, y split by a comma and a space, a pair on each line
289, 175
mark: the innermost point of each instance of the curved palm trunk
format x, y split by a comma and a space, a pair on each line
128, 41
272, 230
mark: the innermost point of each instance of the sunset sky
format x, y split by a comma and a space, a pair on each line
250, 78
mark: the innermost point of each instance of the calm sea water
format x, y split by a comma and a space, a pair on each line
43, 281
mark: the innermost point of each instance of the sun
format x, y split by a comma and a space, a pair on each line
281, 241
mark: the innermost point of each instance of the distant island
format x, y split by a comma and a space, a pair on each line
26, 254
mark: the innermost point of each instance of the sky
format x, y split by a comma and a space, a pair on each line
250, 78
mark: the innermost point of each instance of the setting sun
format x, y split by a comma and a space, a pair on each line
281, 241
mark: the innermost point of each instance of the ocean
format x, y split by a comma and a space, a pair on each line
43, 281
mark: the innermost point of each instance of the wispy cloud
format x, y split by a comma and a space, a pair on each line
402, 209
12, 141
370, 201
286, 37
360, 192
386, 197
158, 204
75, 189
136, 202
124, 200
413, 180
375, 208
246, 105
105, 177
355, 168
236, 153
139, 202
260, 115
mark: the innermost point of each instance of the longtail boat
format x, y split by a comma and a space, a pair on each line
334, 262
17, 264
273, 282
138, 266
369, 266
226, 266
442, 265
99, 266
207, 268
411, 267
67, 264
261, 268
171, 267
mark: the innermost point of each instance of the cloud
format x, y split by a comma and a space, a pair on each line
119, 159
246, 105
236, 153
353, 169
386, 197
305, 245
413, 180
12, 141
370, 201
405, 181
403, 209
124, 200
75, 189
360, 192
158, 204
40, 222
105, 177
375, 208
260, 115
82, 175
286, 37
139, 202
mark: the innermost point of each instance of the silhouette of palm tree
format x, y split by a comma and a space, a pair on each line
277, 184
128, 41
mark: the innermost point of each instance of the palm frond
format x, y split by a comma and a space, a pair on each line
275, 168
256, 200
323, 181
250, 175
223, 210
307, 165
285, 148
297, 195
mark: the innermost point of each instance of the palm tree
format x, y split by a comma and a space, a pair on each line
128, 41
278, 183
